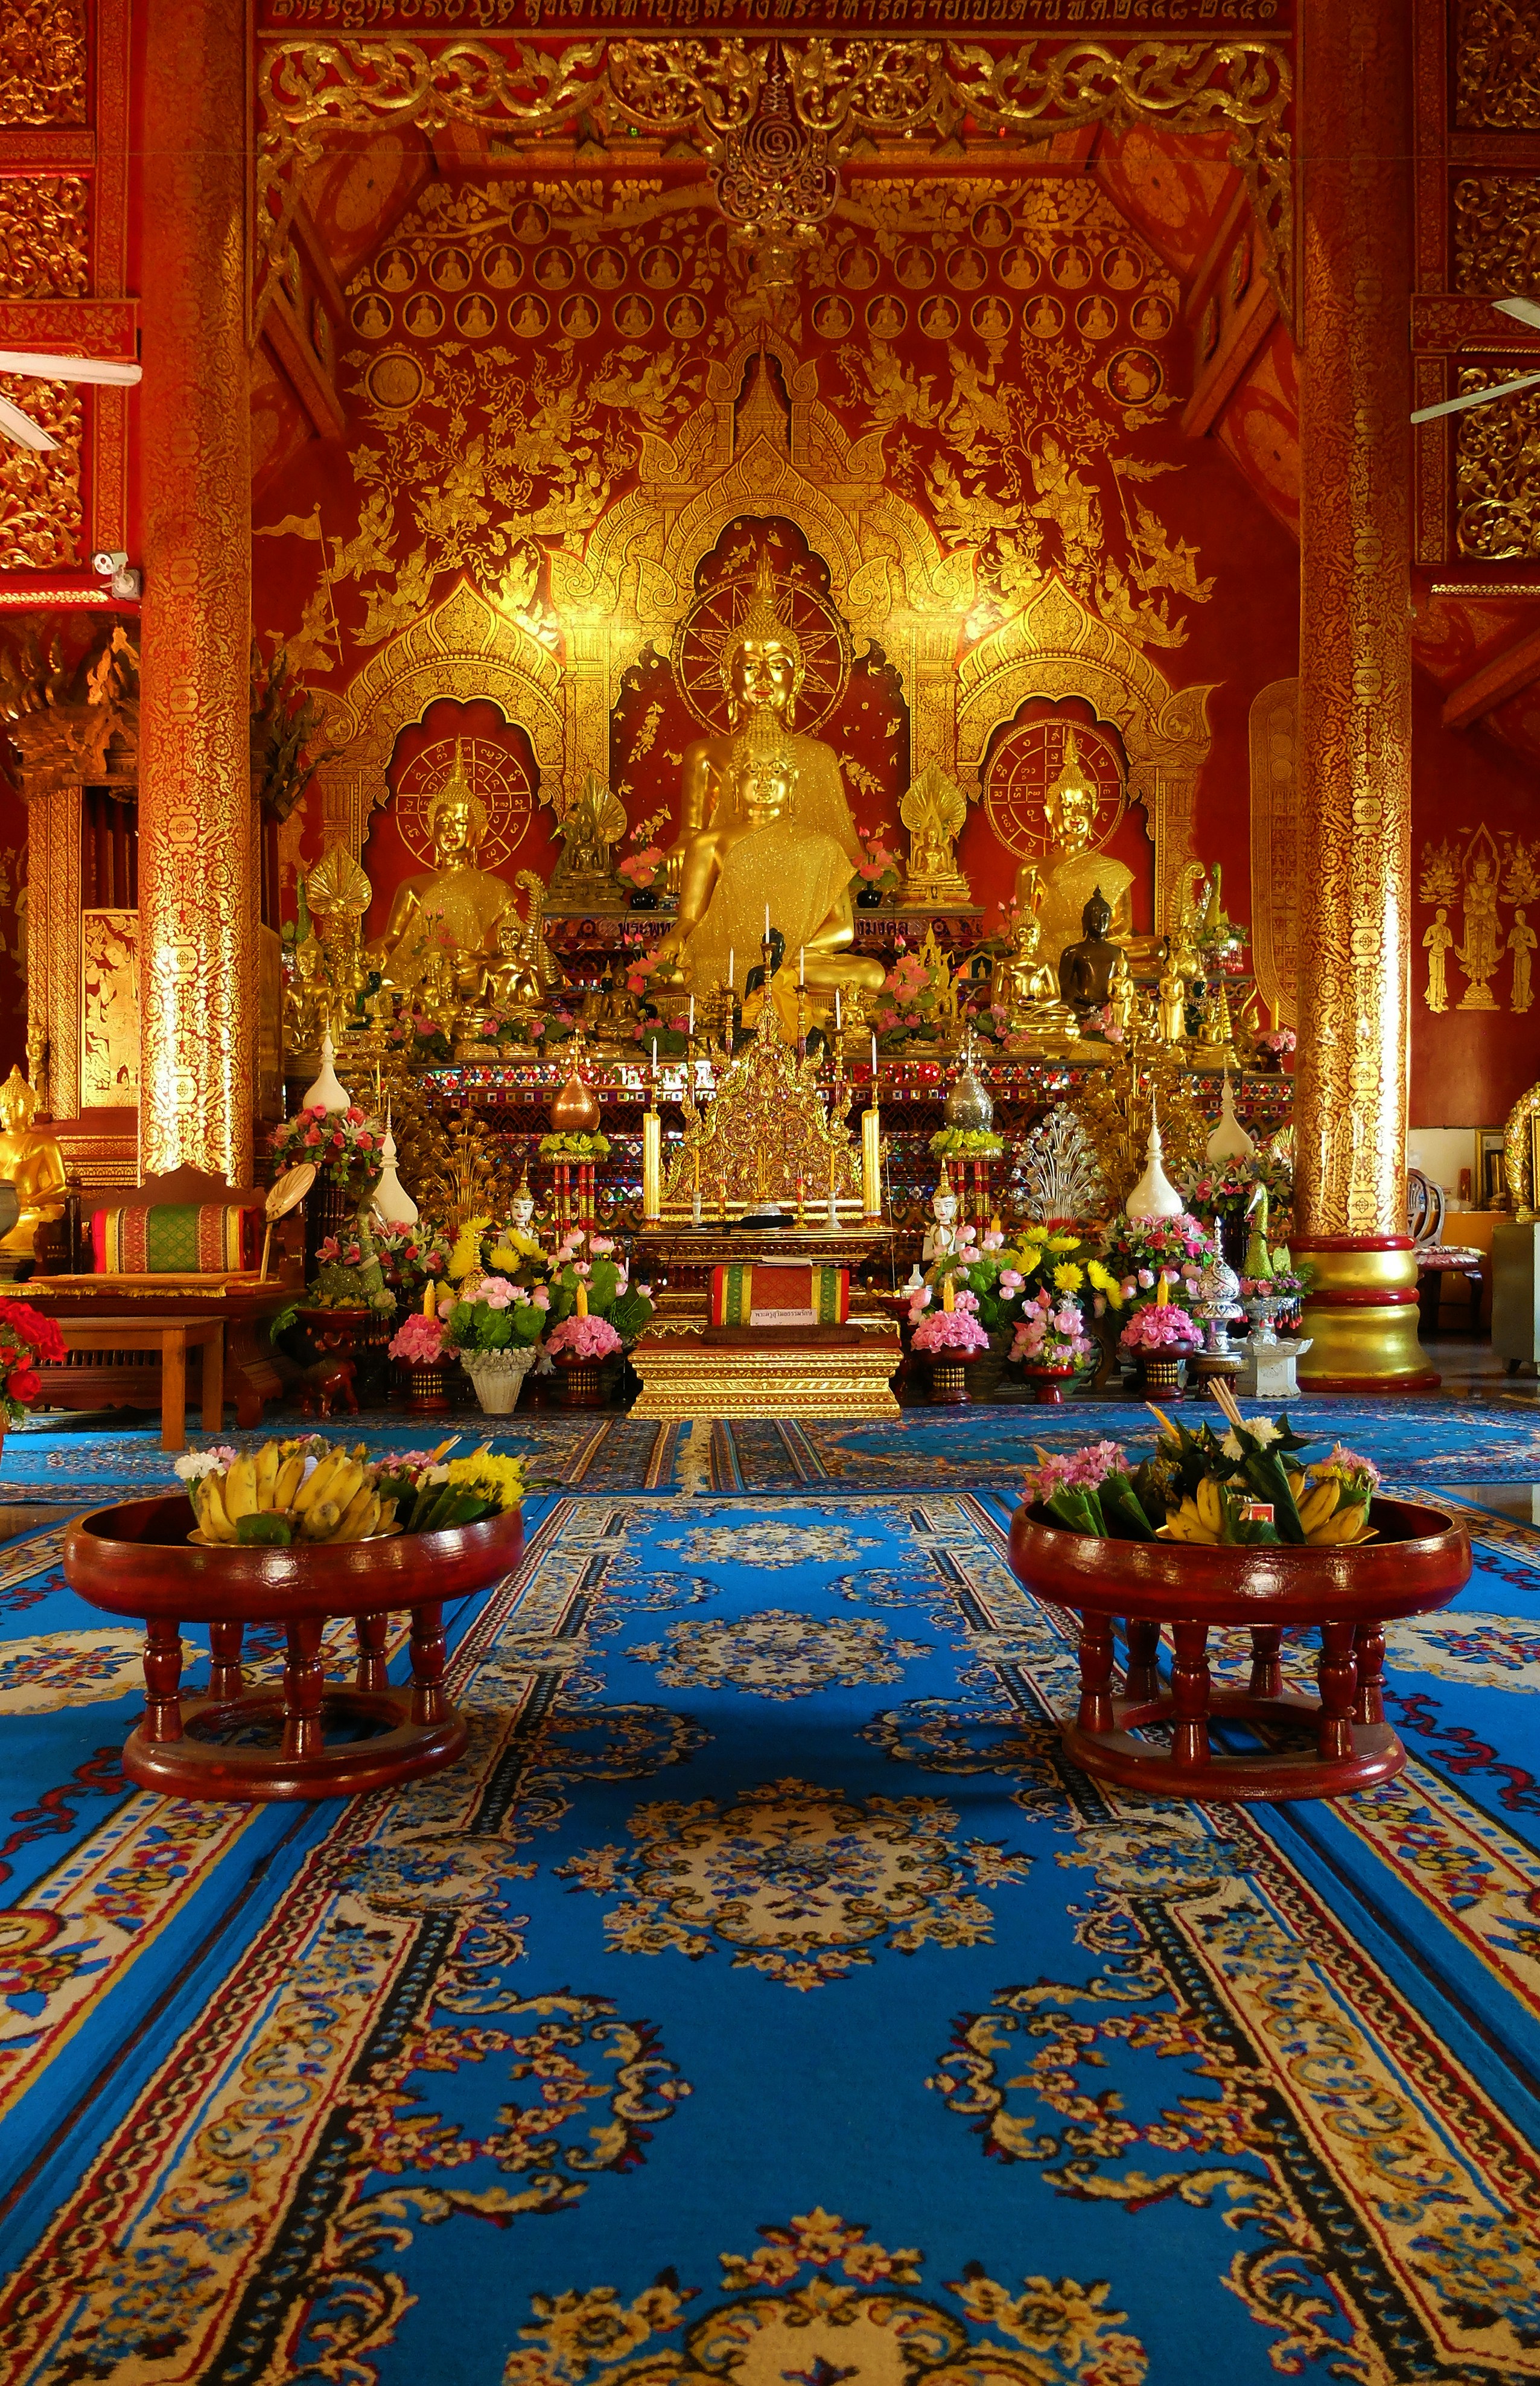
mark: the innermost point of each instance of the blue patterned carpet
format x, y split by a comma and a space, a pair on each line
763, 1998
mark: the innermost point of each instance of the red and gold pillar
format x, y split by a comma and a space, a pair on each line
1354, 697
196, 914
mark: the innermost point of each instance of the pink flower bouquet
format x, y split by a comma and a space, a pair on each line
582, 1338
1160, 1332
950, 1329
418, 1340
1052, 1334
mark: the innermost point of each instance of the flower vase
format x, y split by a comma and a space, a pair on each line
949, 1378
1048, 1384
579, 1379
1160, 1371
644, 899
868, 898
498, 1377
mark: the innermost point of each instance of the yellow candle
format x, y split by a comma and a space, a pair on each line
430, 1306
652, 1165
871, 1164
948, 1293
1162, 1292
583, 1298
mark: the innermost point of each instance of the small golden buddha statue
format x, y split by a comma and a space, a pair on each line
935, 812
762, 670
1069, 872
512, 981
309, 1000
1085, 968
763, 863
1123, 998
1172, 1001
30, 1160
1026, 989
455, 905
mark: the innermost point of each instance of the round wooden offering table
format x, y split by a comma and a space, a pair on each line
1421, 1558
136, 1560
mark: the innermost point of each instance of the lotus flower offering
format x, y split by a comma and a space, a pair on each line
312, 1491
1239, 1488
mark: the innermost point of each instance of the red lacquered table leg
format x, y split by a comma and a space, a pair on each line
162, 1679
369, 1673
1267, 1672
1190, 1696
1096, 1673
1142, 1680
304, 1687
1370, 1648
226, 1679
428, 1704
1338, 1675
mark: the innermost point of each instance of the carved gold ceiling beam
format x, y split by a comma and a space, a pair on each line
708, 90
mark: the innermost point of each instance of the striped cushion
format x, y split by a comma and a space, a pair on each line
175, 1238
780, 1296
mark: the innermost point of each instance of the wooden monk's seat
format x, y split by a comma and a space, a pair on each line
703, 1355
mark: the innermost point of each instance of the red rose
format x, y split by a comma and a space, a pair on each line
312, 1135
366, 1143
354, 1116
338, 1141
22, 1385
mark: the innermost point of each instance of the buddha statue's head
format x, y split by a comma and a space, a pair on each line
1027, 931
762, 666
18, 1104
511, 936
1070, 802
764, 769
458, 821
1096, 918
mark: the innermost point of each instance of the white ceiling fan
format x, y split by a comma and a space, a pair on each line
20, 427
1524, 310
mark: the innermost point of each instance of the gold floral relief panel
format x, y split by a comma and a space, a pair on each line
1498, 233
109, 1010
45, 236
42, 62
1496, 66
40, 496
1497, 472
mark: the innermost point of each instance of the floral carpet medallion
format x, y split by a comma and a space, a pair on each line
69, 1669
779, 1654
392, 2092
800, 1883
822, 2301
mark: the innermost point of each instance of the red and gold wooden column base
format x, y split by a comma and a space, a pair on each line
1362, 1315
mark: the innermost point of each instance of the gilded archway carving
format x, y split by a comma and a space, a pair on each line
1054, 648
464, 648
761, 458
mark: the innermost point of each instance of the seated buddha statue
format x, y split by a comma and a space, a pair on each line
455, 907
1069, 872
1086, 967
30, 1160
762, 858
1025, 987
762, 670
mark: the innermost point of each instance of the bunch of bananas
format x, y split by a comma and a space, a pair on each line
1333, 1516
1201, 1516
265, 1499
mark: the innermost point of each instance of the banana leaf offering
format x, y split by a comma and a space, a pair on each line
1238, 1488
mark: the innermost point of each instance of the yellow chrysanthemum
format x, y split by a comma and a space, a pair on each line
1035, 1233
497, 1478
467, 1253
1067, 1277
503, 1259
1062, 1242
1099, 1276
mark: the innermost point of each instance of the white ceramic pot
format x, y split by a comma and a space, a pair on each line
497, 1376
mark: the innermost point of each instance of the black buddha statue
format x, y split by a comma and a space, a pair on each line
1085, 969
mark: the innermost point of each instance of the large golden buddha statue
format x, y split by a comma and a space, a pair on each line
453, 908
760, 856
32, 1161
1071, 872
762, 670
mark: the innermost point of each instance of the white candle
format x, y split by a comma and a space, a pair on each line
654, 1054
802, 964
692, 1014
838, 1022
732, 970
873, 1063
767, 924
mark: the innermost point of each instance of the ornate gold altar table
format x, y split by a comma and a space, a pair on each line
690, 1369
